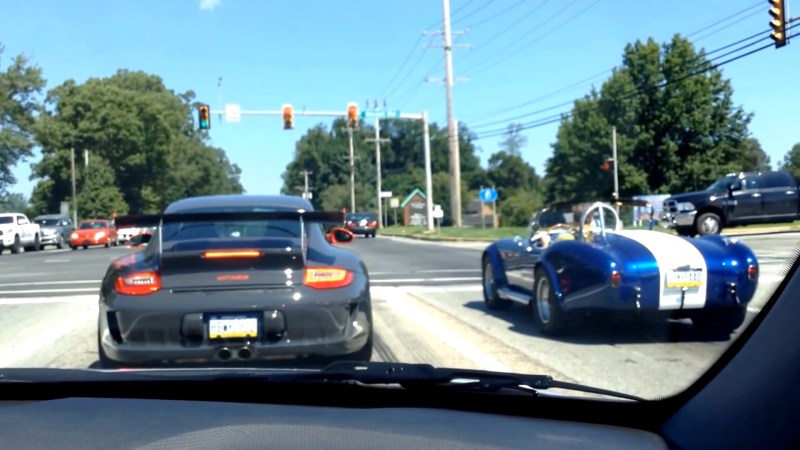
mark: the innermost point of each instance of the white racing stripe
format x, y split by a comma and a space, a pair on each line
672, 252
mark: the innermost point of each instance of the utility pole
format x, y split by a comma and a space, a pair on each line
377, 139
452, 126
426, 145
74, 190
616, 165
352, 171
305, 188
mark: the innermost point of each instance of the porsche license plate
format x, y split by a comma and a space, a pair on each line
231, 327
684, 278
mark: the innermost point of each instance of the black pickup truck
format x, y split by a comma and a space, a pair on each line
738, 199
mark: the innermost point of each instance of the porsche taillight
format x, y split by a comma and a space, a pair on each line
752, 272
327, 277
138, 283
231, 254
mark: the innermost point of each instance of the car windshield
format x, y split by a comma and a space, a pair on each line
47, 222
722, 184
92, 225
444, 155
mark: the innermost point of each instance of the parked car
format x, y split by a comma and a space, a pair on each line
587, 262
92, 232
55, 230
17, 232
737, 199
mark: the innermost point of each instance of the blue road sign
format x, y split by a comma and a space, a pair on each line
487, 195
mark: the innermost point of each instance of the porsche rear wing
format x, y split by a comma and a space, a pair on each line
303, 216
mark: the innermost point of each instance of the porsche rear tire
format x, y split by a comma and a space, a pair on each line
490, 295
547, 314
721, 321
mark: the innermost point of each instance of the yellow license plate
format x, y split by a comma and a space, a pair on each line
232, 327
684, 278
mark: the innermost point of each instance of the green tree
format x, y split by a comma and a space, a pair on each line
324, 152
754, 157
14, 202
677, 130
791, 161
99, 197
20, 85
143, 130
514, 141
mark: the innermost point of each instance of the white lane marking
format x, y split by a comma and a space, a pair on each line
429, 271
54, 291
420, 280
47, 336
45, 283
56, 260
671, 252
394, 300
42, 300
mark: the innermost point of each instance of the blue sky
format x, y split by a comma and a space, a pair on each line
321, 54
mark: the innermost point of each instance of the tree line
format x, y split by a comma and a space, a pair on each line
144, 150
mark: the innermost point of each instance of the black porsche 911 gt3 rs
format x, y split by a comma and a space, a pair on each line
235, 277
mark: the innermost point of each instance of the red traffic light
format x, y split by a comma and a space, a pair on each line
352, 113
288, 117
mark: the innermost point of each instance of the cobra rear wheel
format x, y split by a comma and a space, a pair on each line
490, 295
547, 314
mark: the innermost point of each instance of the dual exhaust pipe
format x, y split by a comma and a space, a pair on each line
225, 354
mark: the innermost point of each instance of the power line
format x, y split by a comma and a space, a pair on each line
593, 77
410, 70
556, 118
508, 28
414, 48
697, 58
483, 6
491, 62
489, 19
725, 19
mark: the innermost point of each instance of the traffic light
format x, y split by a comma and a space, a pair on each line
288, 117
778, 22
204, 117
608, 164
352, 114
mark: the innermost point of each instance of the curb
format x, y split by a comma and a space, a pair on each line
741, 233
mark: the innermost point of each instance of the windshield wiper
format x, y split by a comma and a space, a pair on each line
427, 376
407, 375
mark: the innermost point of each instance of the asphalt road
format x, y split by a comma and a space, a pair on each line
428, 307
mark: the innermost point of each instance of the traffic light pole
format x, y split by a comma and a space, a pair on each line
352, 171
426, 145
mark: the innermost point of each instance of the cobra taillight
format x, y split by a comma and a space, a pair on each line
616, 279
138, 283
327, 277
752, 272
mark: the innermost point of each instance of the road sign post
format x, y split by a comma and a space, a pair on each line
488, 195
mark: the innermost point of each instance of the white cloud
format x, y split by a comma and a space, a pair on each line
208, 5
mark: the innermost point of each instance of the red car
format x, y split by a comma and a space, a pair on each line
94, 232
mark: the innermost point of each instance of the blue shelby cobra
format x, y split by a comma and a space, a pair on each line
561, 269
